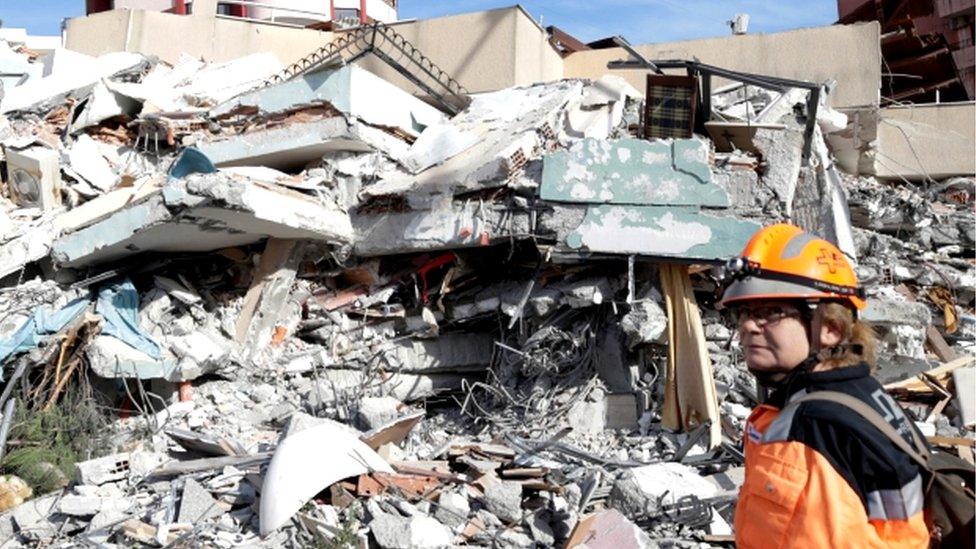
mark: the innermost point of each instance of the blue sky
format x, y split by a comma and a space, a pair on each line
640, 21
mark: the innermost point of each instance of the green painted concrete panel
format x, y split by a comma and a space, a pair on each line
684, 232
331, 85
632, 171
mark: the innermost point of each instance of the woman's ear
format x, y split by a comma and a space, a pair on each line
831, 334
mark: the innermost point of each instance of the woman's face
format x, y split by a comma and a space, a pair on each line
773, 335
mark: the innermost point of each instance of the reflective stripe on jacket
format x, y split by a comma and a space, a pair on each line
821, 476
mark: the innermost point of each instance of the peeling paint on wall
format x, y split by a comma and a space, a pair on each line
660, 231
633, 171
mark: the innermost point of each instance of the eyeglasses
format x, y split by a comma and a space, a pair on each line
764, 315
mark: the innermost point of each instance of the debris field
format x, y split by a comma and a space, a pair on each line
247, 306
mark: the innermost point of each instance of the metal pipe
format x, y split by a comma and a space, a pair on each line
8, 418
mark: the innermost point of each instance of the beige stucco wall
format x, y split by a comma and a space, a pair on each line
168, 36
536, 59
931, 140
475, 48
98, 33
486, 50
850, 54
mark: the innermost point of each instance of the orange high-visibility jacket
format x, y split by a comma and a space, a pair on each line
821, 476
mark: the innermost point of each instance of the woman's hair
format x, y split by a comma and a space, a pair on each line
858, 343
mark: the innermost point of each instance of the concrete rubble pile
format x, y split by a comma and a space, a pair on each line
322, 311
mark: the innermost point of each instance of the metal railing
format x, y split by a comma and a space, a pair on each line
393, 49
284, 11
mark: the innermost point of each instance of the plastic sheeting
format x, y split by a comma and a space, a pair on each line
44, 322
117, 303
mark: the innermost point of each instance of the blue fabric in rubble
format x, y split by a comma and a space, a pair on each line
118, 304
42, 323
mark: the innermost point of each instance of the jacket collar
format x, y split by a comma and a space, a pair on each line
811, 381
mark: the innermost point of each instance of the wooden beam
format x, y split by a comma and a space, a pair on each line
690, 398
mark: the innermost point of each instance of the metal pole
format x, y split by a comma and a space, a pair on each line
8, 418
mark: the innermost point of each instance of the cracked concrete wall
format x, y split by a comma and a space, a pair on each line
919, 141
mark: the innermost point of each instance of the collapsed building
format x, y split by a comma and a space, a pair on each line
348, 300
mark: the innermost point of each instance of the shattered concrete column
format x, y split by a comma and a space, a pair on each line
782, 152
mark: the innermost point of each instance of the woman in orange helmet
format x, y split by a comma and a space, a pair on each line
817, 475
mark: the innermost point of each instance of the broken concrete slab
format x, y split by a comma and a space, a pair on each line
32, 244
196, 504
293, 146
87, 506
632, 171
463, 226
374, 412
509, 127
674, 479
83, 71
453, 509
403, 387
448, 353
103, 206
110, 357
203, 213
599, 113
964, 380
100, 105
267, 298
416, 532
87, 162
38, 518
608, 529
504, 499
351, 90
782, 152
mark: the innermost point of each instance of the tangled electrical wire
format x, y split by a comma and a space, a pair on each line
534, 381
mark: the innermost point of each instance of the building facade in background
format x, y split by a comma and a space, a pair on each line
323, 14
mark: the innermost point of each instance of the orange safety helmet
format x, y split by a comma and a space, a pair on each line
783, 262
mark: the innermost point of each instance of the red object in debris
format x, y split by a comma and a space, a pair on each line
465, 232
485, 239
279, 335
125, 412
186, 391
438, 261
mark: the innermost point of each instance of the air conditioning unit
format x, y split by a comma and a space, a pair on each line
34, 177
346, 23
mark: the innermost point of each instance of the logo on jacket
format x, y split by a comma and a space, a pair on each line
754, 434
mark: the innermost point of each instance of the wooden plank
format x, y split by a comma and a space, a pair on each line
208, 464
690, 397
941, 373
950, 441
276, 252
937, 344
